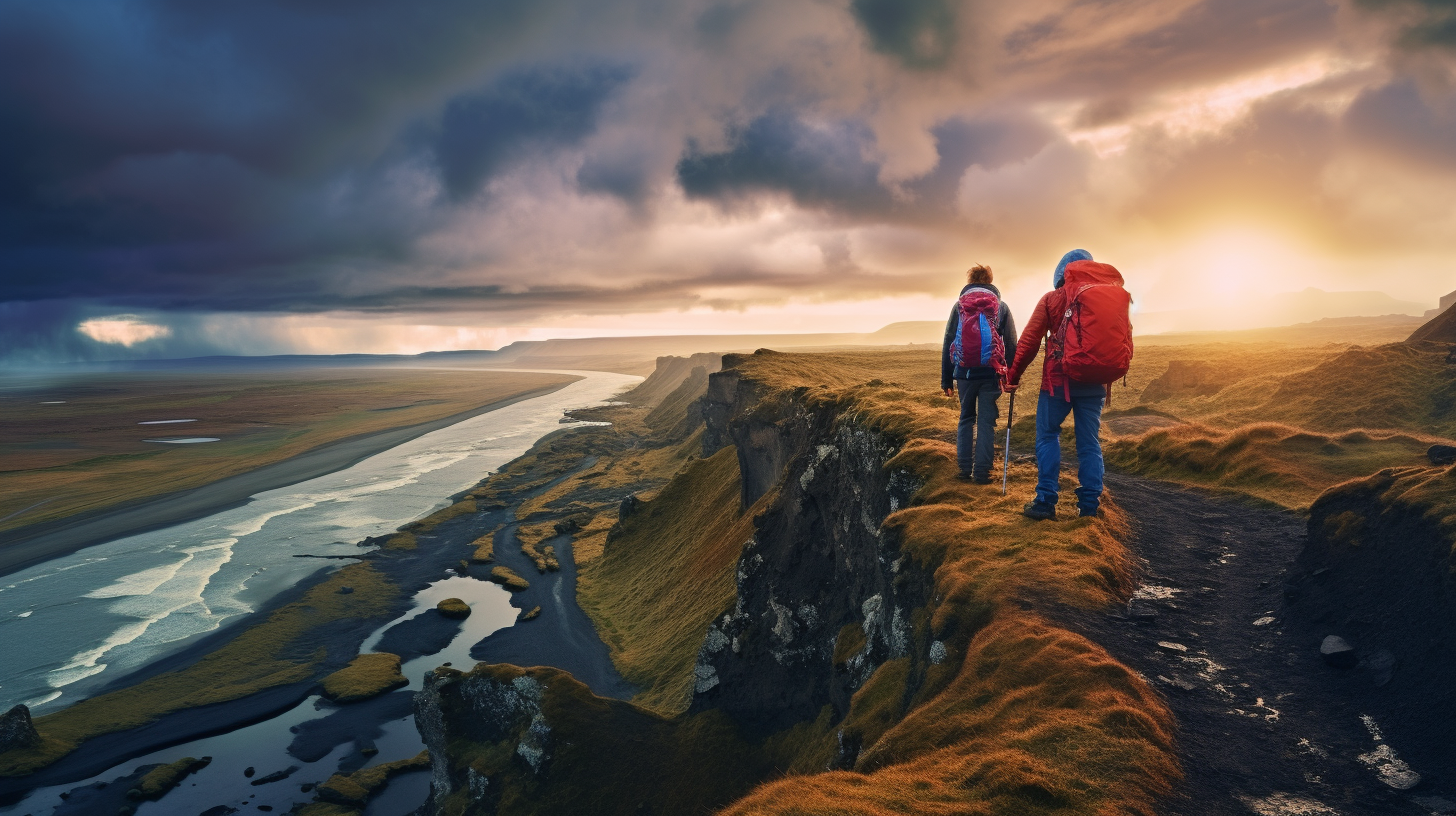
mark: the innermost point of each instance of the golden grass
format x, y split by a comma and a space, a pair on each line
1279, 464
1023, 716
366, 676
88, 455
1329, 389
1426, 492
1283, 424
1037, 720
532, 537
508, 578
590, 541
276, 651
666, 573
453, 608
484, 549
156, 782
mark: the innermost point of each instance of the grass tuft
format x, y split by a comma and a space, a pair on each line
366, 676
454, 608
158, 781
507, 578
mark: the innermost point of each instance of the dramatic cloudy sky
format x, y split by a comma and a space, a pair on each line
330, 175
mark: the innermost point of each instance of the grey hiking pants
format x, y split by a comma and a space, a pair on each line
976, 432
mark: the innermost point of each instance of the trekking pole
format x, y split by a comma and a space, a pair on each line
1006, 467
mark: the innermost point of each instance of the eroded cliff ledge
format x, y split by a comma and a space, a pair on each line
881, 646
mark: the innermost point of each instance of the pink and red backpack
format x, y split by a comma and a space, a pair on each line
978, 340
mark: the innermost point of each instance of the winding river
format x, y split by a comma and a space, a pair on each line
74, 624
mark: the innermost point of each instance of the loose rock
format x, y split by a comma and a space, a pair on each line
1442, 454
1138, 613
1338, 653
1173, 648
17, 731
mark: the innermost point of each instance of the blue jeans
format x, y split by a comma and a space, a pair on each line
976, 432
1086, 413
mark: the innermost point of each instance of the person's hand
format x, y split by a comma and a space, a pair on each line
949, 392
1008, 386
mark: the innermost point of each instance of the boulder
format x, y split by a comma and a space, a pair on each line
1338, 653
1442, 454
17, 731
629, 505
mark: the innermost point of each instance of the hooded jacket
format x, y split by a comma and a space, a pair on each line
1005, 325
1045, 321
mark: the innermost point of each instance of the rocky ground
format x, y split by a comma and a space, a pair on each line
1267, 725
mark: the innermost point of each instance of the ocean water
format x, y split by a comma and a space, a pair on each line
75, 623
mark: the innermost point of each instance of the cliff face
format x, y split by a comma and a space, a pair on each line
1379, 570
824, 597
824, 594
878, 643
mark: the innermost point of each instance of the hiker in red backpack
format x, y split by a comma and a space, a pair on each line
1085, 320
973, 358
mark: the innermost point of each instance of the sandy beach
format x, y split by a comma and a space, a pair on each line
32, 545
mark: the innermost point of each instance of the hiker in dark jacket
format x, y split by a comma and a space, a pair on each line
1060, 396
979, 386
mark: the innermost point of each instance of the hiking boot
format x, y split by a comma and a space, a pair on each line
1087, 512
963, 476
1041, 511
981, 479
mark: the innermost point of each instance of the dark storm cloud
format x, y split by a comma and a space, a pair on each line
538, 109
818, 166
1434, 21
238, 156
921, 34
827, 166
171, 158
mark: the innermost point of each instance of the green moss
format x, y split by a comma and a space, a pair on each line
366, 676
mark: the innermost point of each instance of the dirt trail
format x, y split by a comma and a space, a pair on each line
1265, 726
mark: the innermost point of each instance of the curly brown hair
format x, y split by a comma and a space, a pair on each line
980, 273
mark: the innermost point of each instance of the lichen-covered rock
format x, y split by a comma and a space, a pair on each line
818, 562
17, 731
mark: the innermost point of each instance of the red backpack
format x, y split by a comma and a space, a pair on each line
1094, 341
978, 342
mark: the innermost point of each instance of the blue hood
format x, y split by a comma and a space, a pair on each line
1074, 255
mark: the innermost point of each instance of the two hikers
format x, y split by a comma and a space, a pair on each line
1085, 323
973, 358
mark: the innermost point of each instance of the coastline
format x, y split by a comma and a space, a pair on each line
26, 547
409, 570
